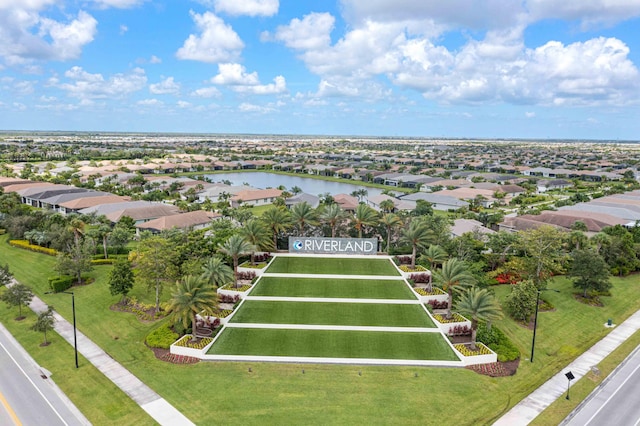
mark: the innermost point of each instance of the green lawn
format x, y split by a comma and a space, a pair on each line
279, 393
329, 265
358, 314
97, 397
323, 287
333, 344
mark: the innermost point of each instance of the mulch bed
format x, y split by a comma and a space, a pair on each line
166, 356
591, 301
496, 369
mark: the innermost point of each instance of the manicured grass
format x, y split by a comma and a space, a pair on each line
323, 287
333, 344
329, 265
561, 408
336, 394
96, 397
360, 314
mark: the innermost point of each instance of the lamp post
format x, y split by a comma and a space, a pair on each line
569, 377
535, 320
73, 309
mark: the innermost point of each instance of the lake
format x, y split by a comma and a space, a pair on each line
264, 180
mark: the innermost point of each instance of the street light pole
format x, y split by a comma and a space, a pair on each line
535, 319
73, 309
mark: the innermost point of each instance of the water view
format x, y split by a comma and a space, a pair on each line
271, 180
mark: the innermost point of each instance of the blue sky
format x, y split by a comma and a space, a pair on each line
458, 68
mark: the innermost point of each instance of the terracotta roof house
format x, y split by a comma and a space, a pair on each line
256, 197
346, 202
73, 206
462, 226
198, 219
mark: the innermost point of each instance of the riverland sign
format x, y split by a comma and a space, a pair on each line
333, 245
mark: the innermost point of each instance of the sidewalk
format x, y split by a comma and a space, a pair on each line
158, 408
527, 409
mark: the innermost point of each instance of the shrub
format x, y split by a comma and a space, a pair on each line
24, 244
246, 276
498, 342
459, 330
422, 278
262, 258
162, 337
227, 298
403, 260
437, 304
102, 261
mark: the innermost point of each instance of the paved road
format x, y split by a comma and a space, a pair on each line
614, 403
25, 397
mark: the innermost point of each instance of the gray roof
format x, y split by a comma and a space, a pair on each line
435, 199
619, 212
61, 198
112, 207
303, 197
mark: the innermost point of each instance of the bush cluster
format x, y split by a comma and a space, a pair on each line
264, 257
402, 260
498, 342
227, 298
422, 278
246, 275
162, 337
437, 304
38, 249
459, 330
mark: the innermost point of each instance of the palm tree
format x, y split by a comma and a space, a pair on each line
235, 247
364, 216
454, 273
333, 215
277, 220
390, 221
216, 272
257, 234
480, 305
418, 235
387, 206
435, 255
77, 227
192, 295
303, 215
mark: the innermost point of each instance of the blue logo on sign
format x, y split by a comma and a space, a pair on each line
297, 245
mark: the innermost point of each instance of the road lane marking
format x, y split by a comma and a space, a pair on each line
12, 413
612, 395
34, 385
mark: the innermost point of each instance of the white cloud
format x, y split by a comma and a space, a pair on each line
166, 86
247, 107
155, 60
150, 102
217, 41
312, 32
589, 12
123, 29
235, 76
207, 92
183, 104
247, 7
452, 13
26, 36
530, 114
87, 86
118, 4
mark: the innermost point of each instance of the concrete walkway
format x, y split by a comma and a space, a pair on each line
529, 408
158, 408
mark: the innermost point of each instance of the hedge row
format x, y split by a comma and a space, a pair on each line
39, 249
64, 282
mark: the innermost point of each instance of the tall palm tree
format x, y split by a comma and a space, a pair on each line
390, 221
257, 234
418, 235
77, 227
192, 295
235, 247
480, 305
333, 215
435, 255
216, 272
454, 273
303, 215
277, 220
364, 216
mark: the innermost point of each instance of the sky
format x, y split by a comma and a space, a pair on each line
531, 69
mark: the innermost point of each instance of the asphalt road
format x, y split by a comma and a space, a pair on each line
26, 398
614, 403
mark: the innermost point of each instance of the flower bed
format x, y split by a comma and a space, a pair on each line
482, 355
200, 344
409, 269
232, 287
454, 318
435, 291
467, 351
144, 311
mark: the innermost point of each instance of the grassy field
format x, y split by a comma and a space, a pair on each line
280, 393
333, 344
323, 287
329, 265
97, 397
359, 314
